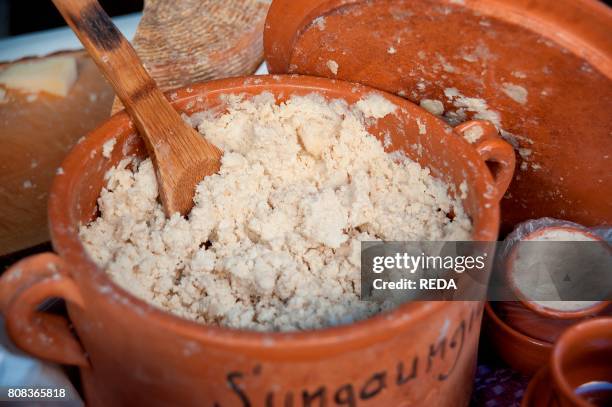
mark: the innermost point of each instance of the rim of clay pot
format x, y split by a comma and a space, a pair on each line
527, 322
541, 309
66, 240
569, 340
585, 30
538, 389
517, 336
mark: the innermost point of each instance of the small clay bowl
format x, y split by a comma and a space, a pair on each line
581, 365
538, 308
521, 352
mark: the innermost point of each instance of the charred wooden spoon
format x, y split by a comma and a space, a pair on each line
181, 156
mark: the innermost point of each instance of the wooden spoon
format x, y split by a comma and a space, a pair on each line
181, 156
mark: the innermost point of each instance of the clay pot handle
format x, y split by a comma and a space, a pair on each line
497, 153
23, 288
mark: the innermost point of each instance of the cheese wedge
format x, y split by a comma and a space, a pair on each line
54, 75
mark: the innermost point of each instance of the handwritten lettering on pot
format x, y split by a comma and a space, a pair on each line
446, 350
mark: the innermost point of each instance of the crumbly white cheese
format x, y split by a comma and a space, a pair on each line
433, 106
469, 104
515, 92
332, 66
273, 241
108, 147
375, 105
422, 126
473, 134
319, 22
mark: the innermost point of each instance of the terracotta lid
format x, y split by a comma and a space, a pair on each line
541, 70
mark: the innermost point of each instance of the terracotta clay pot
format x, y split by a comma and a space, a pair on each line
521, 352
582, 357
129, 352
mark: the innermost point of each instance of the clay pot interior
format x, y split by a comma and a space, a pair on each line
581, 364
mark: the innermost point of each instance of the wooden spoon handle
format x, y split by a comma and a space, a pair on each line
154, 116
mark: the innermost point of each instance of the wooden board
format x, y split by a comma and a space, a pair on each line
36, 133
